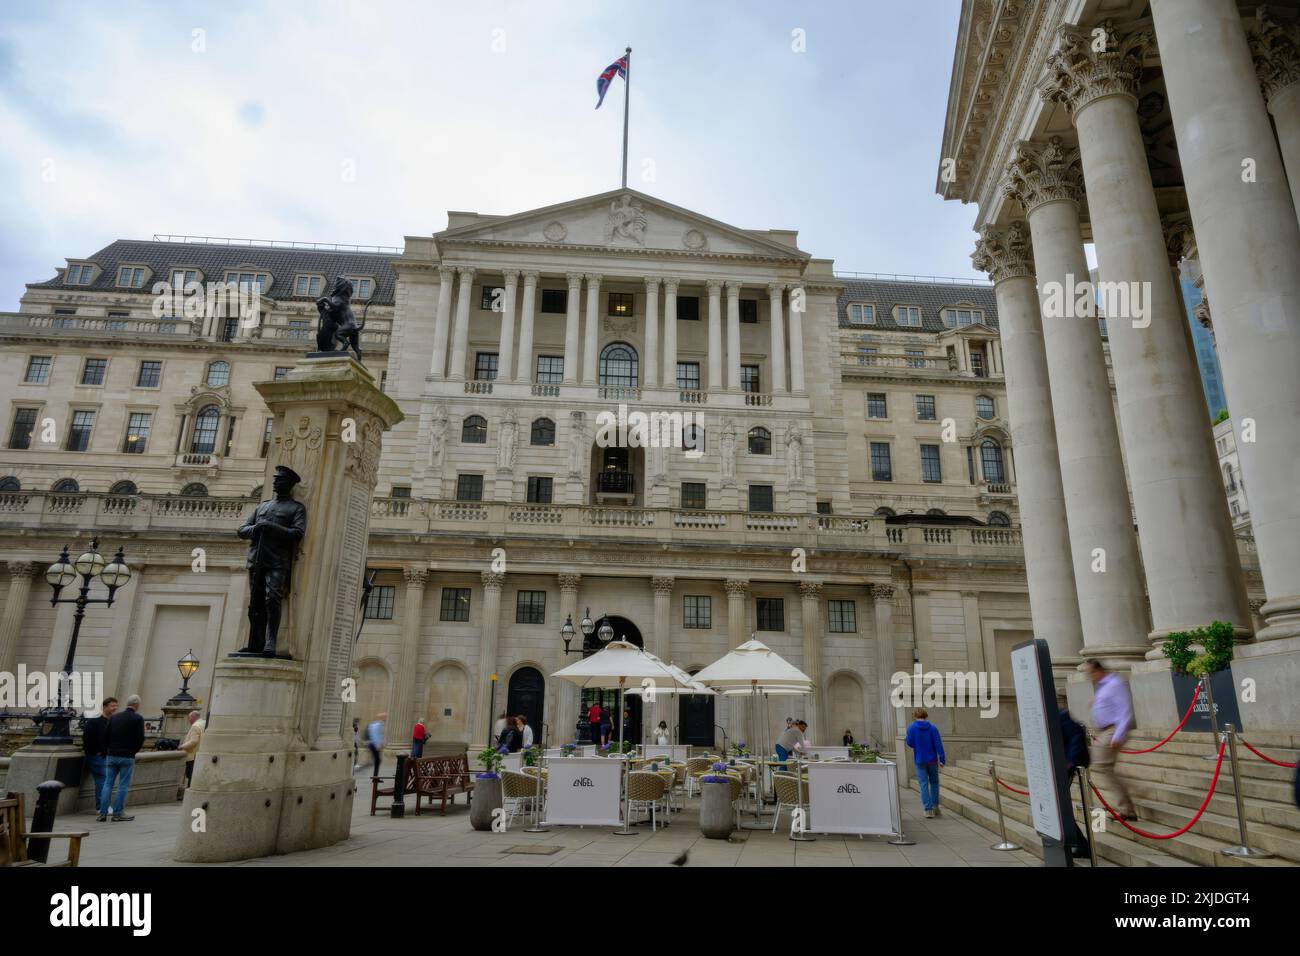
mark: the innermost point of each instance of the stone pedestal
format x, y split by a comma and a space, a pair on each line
274, 770
36, 763
176, 714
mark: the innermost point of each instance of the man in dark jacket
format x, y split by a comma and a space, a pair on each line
124, 739
1075, 740
94, 744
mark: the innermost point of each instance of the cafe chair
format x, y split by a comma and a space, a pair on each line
695, 768
787, 794
518, 793
645, 790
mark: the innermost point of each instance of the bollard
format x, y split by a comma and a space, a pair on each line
1243, 849
47, 805
1214, 717
398, 809
1002, 824
1084, 790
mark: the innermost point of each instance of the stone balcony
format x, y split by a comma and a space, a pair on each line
660, 396
875, 364
275, 331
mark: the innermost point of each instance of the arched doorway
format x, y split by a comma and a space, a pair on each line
695, 718
527, 696
624, 630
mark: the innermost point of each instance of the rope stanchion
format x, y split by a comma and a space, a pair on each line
1004, 844
1180, 726
1243, 849
1214, 782
1276, 763
1023, 793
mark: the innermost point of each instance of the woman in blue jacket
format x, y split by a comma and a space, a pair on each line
927, 753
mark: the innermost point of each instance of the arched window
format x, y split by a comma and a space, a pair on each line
66, 486
999, 519
543, 432
474, 431
984, 407
936, 512
991, 461
195, 489
10, 483
124, 488
619, 365
760, 441
204, 441
218, 374
693, 438
884, 512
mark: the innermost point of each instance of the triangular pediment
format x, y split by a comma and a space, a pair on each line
623, 220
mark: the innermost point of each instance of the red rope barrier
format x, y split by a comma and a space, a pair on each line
1174, 731
1261, 756
1190, 823
1023, 793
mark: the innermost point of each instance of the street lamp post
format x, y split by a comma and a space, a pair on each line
90, 565
188, 666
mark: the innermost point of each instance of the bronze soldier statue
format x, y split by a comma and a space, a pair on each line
274, 530
338, 324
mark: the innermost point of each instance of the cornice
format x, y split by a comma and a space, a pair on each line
622, 252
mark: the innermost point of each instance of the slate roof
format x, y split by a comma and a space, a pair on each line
932, 297
213, 260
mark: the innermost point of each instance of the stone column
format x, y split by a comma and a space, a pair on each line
1047, 181
1008, 257
715, 334
571, 328
1177, 488
650, 367
11, 623
670, 333
796, 343
882, 602
442, 323
775, 292
810, 597
1249, 243
506, 350
1275, 49
528, 315
736, 630
592, 331
566, 692
401, 710
733, 336
489, 632
662, 644
460, 342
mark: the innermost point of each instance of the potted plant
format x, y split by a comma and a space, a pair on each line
716, 818
487, 788
738, 749
533, 756
860, 754
1196, 656
569, 749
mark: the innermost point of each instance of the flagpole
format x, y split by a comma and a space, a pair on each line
627, 96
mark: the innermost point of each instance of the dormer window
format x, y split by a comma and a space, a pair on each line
362, 287
862, 314
130, 277
308, 285
960, 317
80, 273
249, 280
184, 277
908, 316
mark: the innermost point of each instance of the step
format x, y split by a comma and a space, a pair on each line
1263, 740
1223, 828
1190, 750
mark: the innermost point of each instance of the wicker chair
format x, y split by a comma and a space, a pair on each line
519, 791
695, 768
645, 789
787, 794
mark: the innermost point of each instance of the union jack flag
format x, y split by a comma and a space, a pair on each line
617, 68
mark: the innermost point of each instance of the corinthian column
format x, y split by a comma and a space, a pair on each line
662, 643
487, 654
442, 323
733, 336
11, 623
736, 611
715, 334
810, 597
566, 692
670, 333
571, 328
1177, 488
650, 367
592, 331
1047, 181
401, 710
1008, 257
1249, 243
882, 600
528, 315
461, 340
1275, 49
775, 292
506, 350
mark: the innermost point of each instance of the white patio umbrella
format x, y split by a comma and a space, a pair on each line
620, 665
689, 684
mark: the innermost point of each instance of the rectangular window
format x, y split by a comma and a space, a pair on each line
540, 489
137, 433
550, 369
970, 463
621, 303
183, 277
697, 611
455, 605
488, 294
824, 508
266, 437
383, 381
749, 311
149, 376
362, 288
281, 371
771, 613
877, 405
530, 607
38, 369
843, 616
688, 308
299, 329
694, 495
485, 366
925, 411
749, 380
307, 285
760, 498
83, 422
909, 316
92, 373
469, 487
20, 435
862, 314
229, 329
880, 468
80, 274
915, 358
380, 605
930, 471
688, 375
117, 321
555, 301
247, 281
130, 278
400, 491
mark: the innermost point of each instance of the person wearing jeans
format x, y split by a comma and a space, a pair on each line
94, 742
125, 737
927, 753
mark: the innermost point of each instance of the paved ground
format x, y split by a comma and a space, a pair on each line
431, 840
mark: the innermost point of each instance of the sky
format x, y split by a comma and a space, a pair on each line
342, 121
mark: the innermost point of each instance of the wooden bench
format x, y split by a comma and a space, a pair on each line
441, 778
377, 791
14, 838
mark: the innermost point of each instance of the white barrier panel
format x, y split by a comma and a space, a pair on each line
853, 797
584, 791
836, 752
678, 753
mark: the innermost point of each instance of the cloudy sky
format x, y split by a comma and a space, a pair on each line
363, 122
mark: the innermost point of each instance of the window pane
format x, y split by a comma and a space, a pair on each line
204, 441
555, 301
485, 366
770, 614
688, 375
530, 607
79, 432
697, 611
540, 490
749, 380
760, 498
92, 373
843, 616
925, 410
880, 467
150, 375
219, 373
490, 296
984, 407
620, 303
38, 369
991, 461
137, 433
694, 495
688, 308
877, 406
930, 463
469, 487
550, 369
20, 436
380, 606
455, 604
474, 430
760, 441
749, 311
543, 432
619, 366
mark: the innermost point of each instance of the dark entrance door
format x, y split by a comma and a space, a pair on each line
695, 719
527, 696
624, 630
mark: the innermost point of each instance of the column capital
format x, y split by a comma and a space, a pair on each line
733, 288
1180, 237
569, 580
492, 580
775, 289
530, 278
652, 283
415, 575
593, 279
1039, 173
30, 569
662, 585
881, 592
1004, 253
670, 284
510, 275
446, 273
714, 286
735, 587
1078, 73
1275, 48
810, 589
466, 274
575, 280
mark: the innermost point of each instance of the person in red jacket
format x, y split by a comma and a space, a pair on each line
418, 736
594, 717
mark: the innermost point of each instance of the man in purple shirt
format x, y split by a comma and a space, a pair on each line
1112, 718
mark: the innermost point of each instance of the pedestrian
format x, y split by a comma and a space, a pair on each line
498, 726
661, 734
191, 742
419, 734
788, 741
125, 737
848, 737
375, 740
356, 744
526, 731
1075, 741
94, 744
606, 727
593, 721
1112, 718
510, 737
927, 753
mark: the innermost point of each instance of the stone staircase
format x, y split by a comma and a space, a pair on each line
1167, 786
